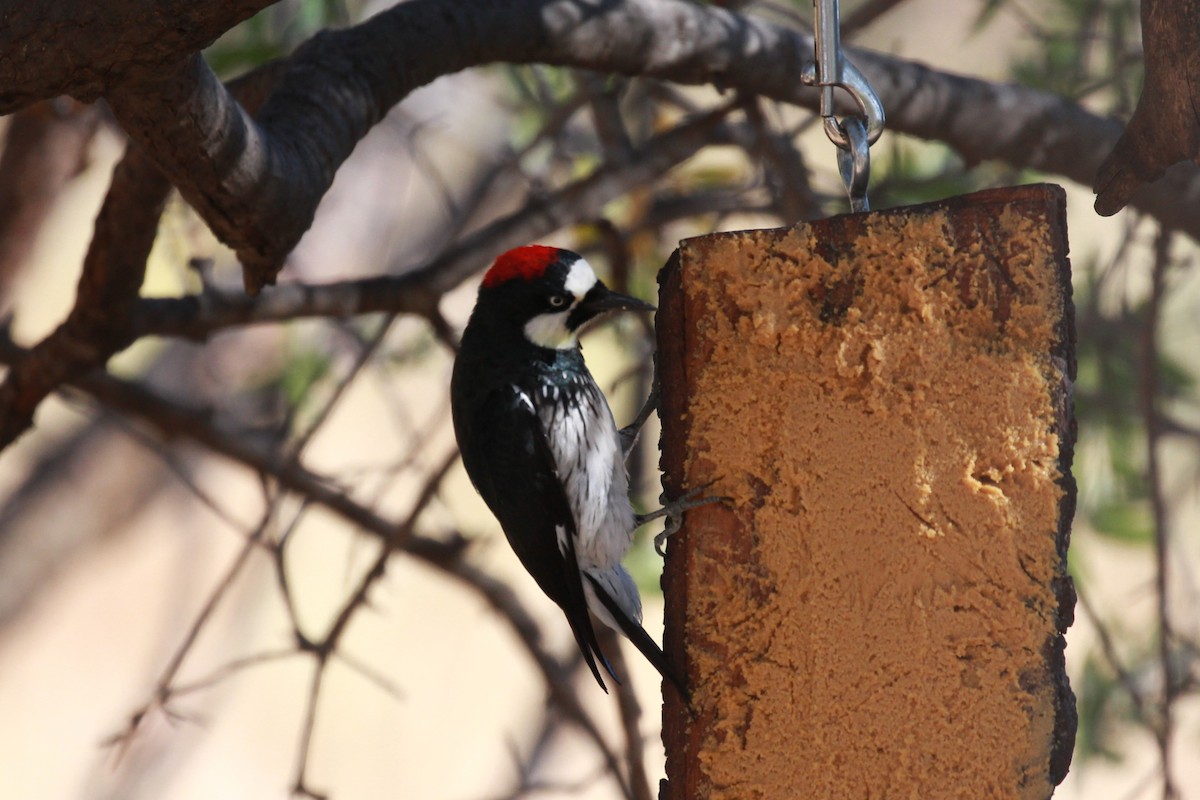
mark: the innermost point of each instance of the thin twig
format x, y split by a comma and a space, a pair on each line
446, 556
300, 787
231, 668
1109, 649
1148, 393
364, 354
419, 290
631, 716
785, 172
164, 688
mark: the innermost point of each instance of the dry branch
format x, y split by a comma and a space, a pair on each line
98, 325
79, 48
448, 555
1165, 127
419, 291
101, 322
257, 182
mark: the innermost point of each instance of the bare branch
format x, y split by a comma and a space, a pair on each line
165, 688
420, 290
1149, 392
1109, 649
631, 717
53, 49
1165, 127
445, 555
786, 173
499, 596
98, 325
300, 787
257, 183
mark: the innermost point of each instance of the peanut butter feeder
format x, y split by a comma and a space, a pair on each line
885, 396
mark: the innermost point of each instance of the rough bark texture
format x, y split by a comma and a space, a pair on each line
881, 609
1165, 127
103, 320
257, 182
80, 47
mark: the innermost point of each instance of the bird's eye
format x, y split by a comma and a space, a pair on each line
558, 300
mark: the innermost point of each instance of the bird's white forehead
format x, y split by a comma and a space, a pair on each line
580, 278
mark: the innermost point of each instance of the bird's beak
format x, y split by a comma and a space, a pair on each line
600, 299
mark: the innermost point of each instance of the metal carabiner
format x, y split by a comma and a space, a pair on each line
854, 135
854, 163
831, 69
855, 84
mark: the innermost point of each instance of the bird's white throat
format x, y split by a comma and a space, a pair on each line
550, 329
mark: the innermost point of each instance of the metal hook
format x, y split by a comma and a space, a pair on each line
855, 83
855, 134
854, 162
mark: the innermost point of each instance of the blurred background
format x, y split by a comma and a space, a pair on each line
182, 617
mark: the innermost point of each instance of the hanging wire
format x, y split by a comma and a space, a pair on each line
853, 134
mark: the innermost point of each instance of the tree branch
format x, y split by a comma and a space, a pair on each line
1149, 398
79, 48
1165, 127
448, 556
419, 291
257, 183
99, 323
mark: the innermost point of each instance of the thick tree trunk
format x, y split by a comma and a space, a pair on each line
879, 611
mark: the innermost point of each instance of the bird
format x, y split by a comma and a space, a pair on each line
539, 442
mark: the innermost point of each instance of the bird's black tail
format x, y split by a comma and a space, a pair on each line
641, 640
585, 637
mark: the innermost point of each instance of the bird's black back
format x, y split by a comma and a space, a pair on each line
495, 389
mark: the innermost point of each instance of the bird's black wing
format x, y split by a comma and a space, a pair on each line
513, 468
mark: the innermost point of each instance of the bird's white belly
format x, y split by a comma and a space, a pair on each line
587, 452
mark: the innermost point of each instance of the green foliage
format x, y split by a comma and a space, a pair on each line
307, 368
987, 14
412, 351
908, 174
537, 92
1096, 695
273, 33
1127, 520
1082, 47
1109, 406
645, 565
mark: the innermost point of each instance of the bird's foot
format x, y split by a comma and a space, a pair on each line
673, 511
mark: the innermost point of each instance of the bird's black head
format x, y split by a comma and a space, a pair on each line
548, 294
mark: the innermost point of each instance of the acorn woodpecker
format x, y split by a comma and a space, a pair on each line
539, 442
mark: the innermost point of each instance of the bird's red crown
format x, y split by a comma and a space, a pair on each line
527, 263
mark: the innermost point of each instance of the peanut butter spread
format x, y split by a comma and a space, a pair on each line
883, 400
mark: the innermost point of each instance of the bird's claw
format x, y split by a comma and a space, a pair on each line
673, 510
